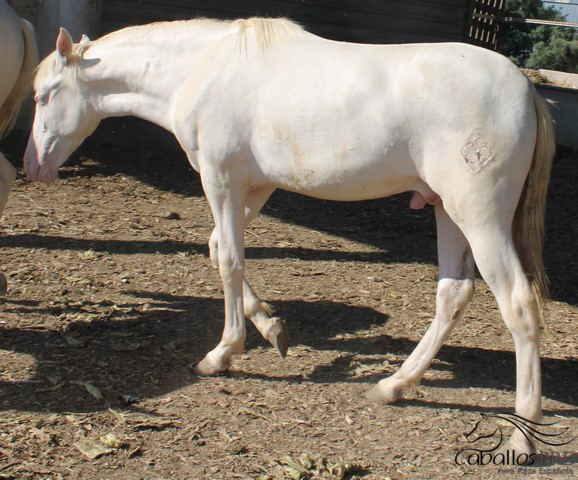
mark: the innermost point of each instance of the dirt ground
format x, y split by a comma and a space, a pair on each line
112, 297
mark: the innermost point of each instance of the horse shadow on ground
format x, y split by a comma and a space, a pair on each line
144, 151
470, 367
147, 352
171, 247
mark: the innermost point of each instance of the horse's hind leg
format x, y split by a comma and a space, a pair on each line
455, 290
273, 329
7, 177
499, 265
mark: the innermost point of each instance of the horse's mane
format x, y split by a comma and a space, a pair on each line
267, 33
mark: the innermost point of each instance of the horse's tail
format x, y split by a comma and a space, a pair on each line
11, 107
528, 225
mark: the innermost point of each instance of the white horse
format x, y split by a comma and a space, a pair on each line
18, 59
261, 104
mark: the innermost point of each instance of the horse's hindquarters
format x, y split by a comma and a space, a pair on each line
11, 49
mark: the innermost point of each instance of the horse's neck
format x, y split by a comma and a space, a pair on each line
140, 78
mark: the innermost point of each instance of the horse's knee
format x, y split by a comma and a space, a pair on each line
225, 261
232, 271
214, 248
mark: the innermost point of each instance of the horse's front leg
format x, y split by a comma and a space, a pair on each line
273, 329
226, 197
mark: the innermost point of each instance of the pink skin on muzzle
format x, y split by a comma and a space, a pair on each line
42, 166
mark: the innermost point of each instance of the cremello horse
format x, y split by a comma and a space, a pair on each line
18, 59
261, 104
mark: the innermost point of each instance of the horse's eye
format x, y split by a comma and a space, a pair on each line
41, 99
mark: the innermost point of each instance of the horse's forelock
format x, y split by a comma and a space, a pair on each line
46, 67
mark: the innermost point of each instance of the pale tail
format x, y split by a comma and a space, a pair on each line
528, 225
11, 107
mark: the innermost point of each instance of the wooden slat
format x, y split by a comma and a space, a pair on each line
485, 22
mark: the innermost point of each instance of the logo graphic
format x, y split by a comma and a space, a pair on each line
488, 440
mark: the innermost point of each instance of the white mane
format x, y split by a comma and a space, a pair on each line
267, 33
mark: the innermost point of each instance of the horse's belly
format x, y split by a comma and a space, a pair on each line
334, 179
353, 191
340, 151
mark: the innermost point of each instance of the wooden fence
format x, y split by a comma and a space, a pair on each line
366, 21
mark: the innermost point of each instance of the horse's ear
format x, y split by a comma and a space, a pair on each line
84, 39
64, 45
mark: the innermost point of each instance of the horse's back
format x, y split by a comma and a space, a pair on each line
348, 121
376, 113
411, 89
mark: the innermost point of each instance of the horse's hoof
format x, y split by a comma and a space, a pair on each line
384, 393
519, 447
206, 368
3, 284
278, 336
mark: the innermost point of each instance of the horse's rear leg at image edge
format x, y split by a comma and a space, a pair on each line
502, 270
504, 231
486, 226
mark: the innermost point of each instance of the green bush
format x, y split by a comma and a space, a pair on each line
557, 54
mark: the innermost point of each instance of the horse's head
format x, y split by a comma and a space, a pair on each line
64, 116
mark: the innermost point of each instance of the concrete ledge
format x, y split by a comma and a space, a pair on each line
564, 107
562, 79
